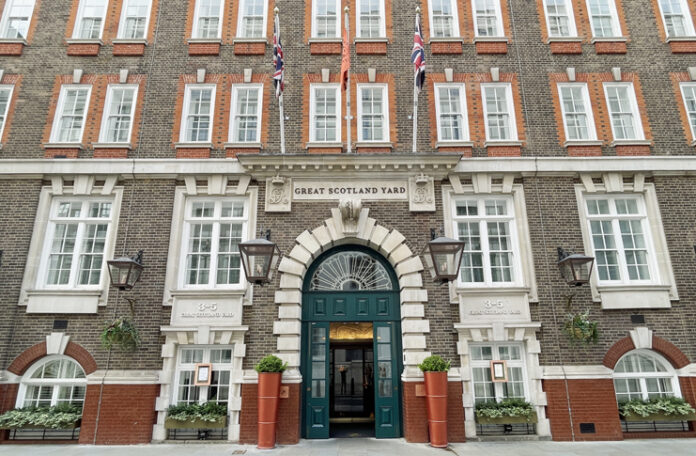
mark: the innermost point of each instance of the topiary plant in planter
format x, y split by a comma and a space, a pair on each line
270, 370
435, 372
210, 415
508, 411
657, 409
434, 363
271, 363
63, 416
121, 333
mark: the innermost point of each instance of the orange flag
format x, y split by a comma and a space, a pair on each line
345, 61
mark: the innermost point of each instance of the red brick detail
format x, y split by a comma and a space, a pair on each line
324, 150
82, 356
289, 419
677, 78
129, 49
610, 47
62, 153
465, 151
504, 151
566, 47
204, 48
491, 47
373, 48
8, 399
682, 47
446, 47
126, 415
232, 152
84, 50
193, 152
27, 358
616, 351
670, 351
415, 415
591, 401
633, 151
324, 48
14, 49
249, 48
373, 150
110, 153
584, 151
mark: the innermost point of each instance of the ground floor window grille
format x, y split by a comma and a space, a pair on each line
505, 429
45, 434
198, 434
655, 426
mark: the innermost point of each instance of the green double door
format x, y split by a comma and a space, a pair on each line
381, 309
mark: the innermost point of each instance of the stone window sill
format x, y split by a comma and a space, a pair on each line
325, 40
680, 38
609, 39
112, 146
359, 39
564, 39
189, 145
446, 39
204, 41
72, 301
584, 143
129, 41
250, 40
491, 39
14, 41
631, 142
244, 145
635, 296
64, 146
323, 144
502, 144
454, 144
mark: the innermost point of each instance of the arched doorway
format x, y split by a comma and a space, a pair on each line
351, 346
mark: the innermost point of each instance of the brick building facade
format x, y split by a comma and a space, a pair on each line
131, 124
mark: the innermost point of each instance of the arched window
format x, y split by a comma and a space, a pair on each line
643, 374
350, 270
53, 380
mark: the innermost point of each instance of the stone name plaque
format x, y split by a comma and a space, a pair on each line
337, 189
198, 311
509, 308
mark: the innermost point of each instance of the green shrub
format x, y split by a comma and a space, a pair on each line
271, 363
434, 363
669, 406
121, 333
210, 412
507, 407
579, 328
59, 417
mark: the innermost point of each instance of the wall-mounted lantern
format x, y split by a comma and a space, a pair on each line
125, 272
259, 259
575, 268
443, 257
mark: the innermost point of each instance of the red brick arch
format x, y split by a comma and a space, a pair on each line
660, 345
32, 354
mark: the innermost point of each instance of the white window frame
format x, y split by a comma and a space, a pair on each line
642, 376
482, 219
499, 386
615, 23
60, 106
185, 112
5, 22
122, 21
312, 111
3, 115
55, 383
339, 21
572, 30
107, 110
215, 240
195, 33
498, 19
463, 113
455, 21
382, 24
80, 16
690, 115
688, 20
510, 101
635, 111
241, 4
180, 366
385, 112
233, 112
591, 129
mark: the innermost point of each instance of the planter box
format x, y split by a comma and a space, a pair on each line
194, 424
660, 417
75, 425
507, 419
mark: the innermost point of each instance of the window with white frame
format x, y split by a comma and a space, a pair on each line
491, 253
450, 106
71, 111
53, 380
252, 18
623, 111
89, 23
560, 19
444, 21
197, 113
373, 111
488, 19
246, 113
119, 109
16, 19
688, 91
604, 18
620, 238
325, 102
485, 389
135, 18
576, 109
370, 18
499, 112
5, 97
643, 374
76, 239
218, 391
213, 230
325, 18
676, 17
207, 19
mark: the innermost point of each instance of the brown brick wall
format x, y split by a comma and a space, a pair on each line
289, 419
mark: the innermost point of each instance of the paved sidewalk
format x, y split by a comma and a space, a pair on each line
370, 447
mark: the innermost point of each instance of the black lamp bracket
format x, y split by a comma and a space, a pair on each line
434, 233
265, 234
562, 254
138, 258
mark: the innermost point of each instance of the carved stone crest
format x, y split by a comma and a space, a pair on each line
350, 213
421, 193
278, 197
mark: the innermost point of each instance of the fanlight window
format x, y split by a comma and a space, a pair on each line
351, 271
53, 381
643, 374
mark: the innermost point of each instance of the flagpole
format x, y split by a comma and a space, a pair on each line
280, 98
415, 100
348, 113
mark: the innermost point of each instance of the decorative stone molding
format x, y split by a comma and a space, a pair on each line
421, 191
278, 194
56, 343
641, 337
350, 209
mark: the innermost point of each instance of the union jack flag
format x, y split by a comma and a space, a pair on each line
418, 55
278, 60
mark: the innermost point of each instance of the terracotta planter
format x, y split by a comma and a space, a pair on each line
436, 400
269, 390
